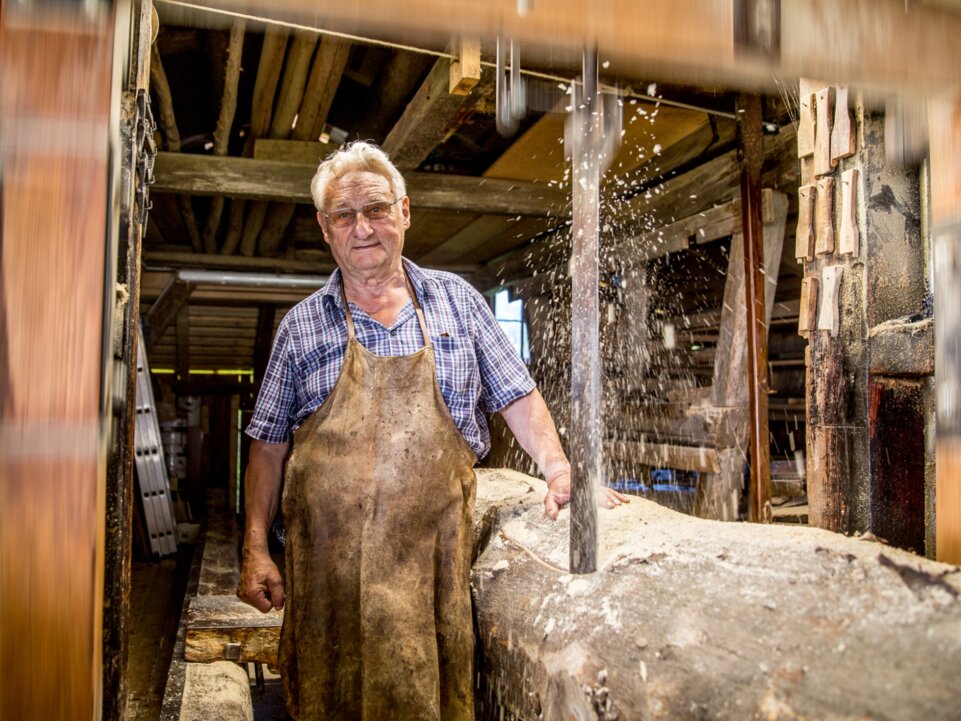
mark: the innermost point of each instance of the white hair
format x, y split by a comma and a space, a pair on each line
357, 156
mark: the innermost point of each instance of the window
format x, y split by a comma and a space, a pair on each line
510, 316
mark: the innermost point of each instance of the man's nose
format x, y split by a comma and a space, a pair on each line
363, 228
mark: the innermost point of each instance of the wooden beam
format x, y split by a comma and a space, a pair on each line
664, 455
867, 43
167, 122
267, 180
268, 76
329, 64
225, 121
427, 120
166, 308
183, 342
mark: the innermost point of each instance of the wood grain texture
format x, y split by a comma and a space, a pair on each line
824, 217
804, 239
54, 111
849, 242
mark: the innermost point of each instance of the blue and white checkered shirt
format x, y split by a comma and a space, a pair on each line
478, 369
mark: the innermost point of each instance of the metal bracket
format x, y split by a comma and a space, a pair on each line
146, 148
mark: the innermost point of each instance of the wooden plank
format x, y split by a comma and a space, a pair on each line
305, 152
828, 317
165, 309
871, 43
289, 182
475, 234
183, 343
824, 217
428, 118
663, 455
824, 109
213, 622
57, 205
225, 121
465, 69
842, 130
849, 240
804, 241
268, 76
806, 125
807, 319
328, 67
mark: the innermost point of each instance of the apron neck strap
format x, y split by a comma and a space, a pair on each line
413, 296
418, 310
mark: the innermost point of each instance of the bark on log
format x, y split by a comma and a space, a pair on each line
689, 618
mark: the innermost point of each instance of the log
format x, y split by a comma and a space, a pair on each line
688, 618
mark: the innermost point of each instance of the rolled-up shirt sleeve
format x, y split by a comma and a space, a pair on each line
276, 406
504, 377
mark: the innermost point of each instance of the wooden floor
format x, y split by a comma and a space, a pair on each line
156, 597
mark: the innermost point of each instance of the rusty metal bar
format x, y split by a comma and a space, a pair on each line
749, 122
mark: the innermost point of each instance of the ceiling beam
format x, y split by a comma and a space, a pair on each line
428, 118
166, 308
189, 174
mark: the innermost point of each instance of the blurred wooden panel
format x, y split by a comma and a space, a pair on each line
54, 112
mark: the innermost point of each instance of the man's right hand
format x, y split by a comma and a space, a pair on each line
260, 583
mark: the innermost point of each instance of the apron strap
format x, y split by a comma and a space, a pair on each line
418, 310
413, 297
350, 318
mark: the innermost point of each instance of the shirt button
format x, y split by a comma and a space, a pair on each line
393, 331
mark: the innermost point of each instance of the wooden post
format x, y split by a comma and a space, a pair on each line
759, 508
120, 474
944, 123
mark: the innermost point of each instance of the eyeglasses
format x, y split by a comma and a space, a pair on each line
346, 217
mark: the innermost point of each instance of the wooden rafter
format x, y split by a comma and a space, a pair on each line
428, 118
168, 125
228, 106
267, 180
265, 87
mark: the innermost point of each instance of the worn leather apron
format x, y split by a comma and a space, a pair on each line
378, 505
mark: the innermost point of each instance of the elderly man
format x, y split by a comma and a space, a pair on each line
381, 380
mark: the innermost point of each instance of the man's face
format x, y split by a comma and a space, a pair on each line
364, 248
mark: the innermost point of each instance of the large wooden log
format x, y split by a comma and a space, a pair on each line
688, 618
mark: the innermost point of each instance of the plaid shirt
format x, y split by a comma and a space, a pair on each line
478, 369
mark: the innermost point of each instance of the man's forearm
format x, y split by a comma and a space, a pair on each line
262, 486
531, 423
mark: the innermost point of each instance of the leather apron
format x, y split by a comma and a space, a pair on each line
378, 505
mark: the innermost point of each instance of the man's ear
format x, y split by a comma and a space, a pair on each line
323, 226
405, 211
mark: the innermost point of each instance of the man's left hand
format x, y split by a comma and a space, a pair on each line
559, 494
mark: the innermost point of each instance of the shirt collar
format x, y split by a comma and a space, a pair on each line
418, 278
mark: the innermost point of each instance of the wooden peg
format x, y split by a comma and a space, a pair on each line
829, 316
805, 126
849, 240
822, 131
465, 70
809, 305
842, 134
824, 217
804, 239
